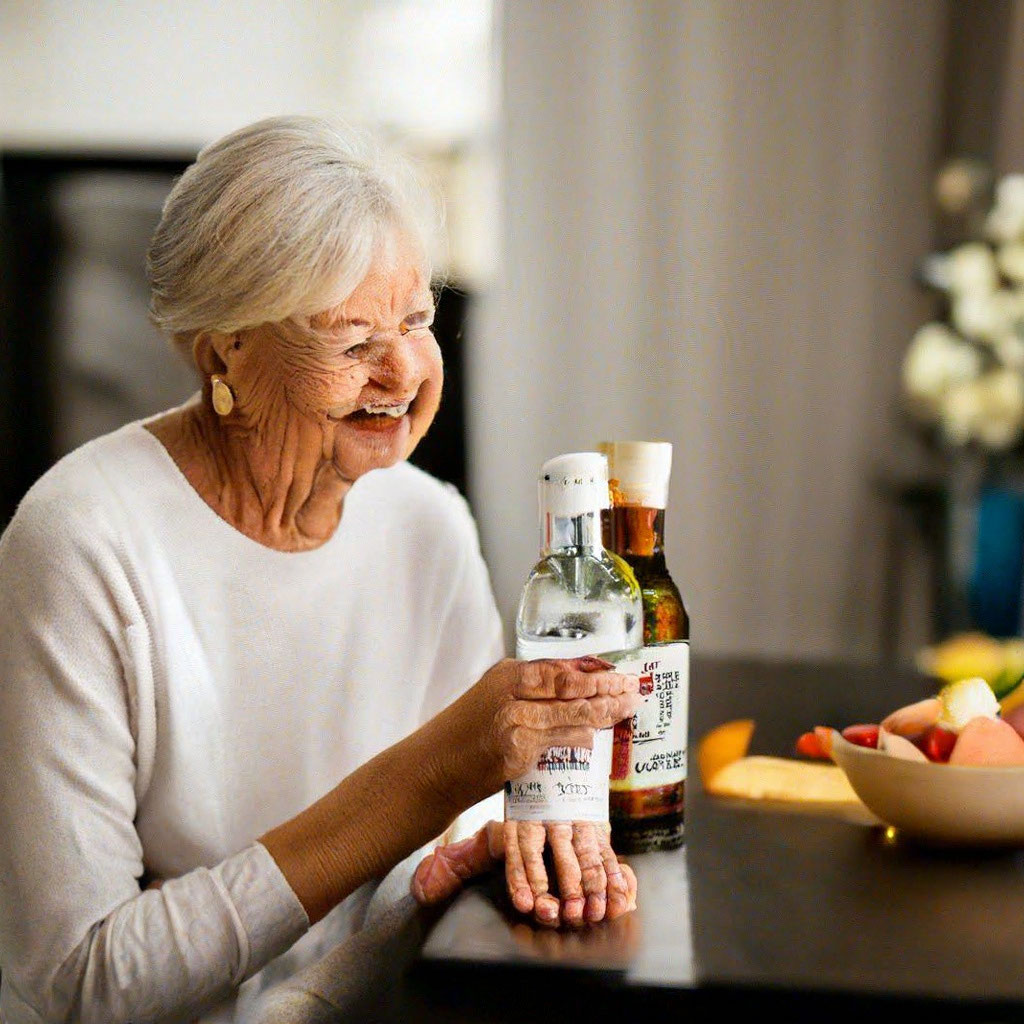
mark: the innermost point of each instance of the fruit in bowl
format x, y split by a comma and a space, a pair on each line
947, 770
961, 726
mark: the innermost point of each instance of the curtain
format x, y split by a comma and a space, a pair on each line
712, 214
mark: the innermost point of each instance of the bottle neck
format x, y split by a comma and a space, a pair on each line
577, 534
638, 531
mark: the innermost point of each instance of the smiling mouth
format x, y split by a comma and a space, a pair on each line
371, 413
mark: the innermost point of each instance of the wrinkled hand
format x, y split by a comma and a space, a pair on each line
593, 884
519, 709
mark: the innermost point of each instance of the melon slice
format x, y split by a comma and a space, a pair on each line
988, 741
915, 719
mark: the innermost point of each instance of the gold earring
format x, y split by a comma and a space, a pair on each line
223, 397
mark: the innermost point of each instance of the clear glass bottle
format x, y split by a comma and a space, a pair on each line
649, 760
578, 600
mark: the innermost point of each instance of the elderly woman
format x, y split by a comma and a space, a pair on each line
249, 657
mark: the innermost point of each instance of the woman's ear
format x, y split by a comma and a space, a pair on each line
210, 351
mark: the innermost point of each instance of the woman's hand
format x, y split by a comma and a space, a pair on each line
514, 713
593, 884
519, 709
395, 802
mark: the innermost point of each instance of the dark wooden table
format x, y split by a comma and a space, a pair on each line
765, 908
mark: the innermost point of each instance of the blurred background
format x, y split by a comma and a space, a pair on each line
784, 235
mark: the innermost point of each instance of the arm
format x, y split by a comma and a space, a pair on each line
78, 940
592, 884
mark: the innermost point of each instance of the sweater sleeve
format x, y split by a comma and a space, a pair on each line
79, 941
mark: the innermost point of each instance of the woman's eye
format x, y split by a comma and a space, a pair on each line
357, 350
417, 322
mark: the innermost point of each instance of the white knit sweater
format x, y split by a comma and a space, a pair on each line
169, 690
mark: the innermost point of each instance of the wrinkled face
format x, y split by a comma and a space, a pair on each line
367, 375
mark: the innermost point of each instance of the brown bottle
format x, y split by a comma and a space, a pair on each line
649, 755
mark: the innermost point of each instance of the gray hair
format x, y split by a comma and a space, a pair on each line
279, 219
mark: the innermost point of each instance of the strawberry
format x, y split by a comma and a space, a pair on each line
810, 746
938, 743
862, 735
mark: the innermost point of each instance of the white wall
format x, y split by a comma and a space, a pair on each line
712, 215
176, 75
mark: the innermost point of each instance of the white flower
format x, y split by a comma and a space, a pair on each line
961, 410
1005, 222
1010, 350
1002, 420
971, 270
1011, 260
985, 316
1010, 192
989, 410
936, 360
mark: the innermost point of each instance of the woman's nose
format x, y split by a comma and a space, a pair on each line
398, 367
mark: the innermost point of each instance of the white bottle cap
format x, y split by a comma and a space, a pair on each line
573, 484
642, 469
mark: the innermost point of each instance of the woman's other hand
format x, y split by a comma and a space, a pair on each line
593, 884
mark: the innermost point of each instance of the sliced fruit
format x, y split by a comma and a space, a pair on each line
824, 734
964, 656
777, 778
937, 743
723, 745
1007, 683
1013, 669
966, 700
898, 746
1015, 719
809, 745
862, 735
1012, 698
915, 719
988, 741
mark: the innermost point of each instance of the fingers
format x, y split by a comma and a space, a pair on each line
600, 712
617, 891
595, 881
569, 679
567, 872
518, 885
532, 835
441, 874
593, 884
631, 884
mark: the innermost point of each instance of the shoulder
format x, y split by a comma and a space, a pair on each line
78, 499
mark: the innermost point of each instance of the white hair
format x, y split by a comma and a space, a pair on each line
279, 219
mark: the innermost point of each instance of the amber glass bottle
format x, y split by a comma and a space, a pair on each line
649, 759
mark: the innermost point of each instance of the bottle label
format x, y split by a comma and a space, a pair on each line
653, 752
566, 784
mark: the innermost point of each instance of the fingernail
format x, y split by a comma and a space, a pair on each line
546, 912
595, 908
572, 910
522, 900
590, 663
434, 871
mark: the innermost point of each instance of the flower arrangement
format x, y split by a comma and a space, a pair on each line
965, 376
